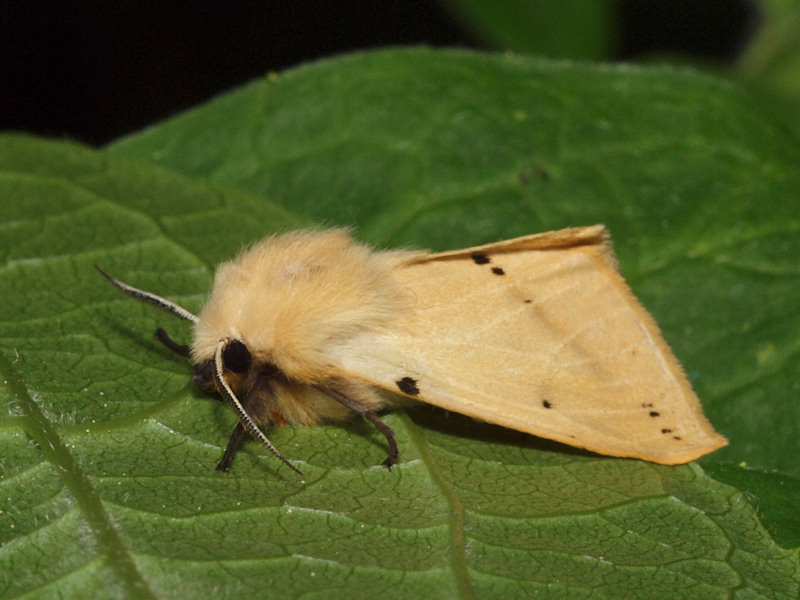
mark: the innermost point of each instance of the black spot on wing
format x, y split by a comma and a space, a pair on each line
479, 258
547, 404
652, 413
666, 431
528, 300
408, 385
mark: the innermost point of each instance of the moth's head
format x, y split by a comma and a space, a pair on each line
221, 366
217, 337
236, 364
235, 317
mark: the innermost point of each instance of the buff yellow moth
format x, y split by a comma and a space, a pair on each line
539, 334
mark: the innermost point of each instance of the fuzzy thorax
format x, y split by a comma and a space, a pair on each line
292, 299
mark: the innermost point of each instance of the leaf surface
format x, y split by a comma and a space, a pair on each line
108, 454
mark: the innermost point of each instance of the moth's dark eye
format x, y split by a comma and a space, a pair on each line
236, 357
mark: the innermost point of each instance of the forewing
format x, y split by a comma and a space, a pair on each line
539, 334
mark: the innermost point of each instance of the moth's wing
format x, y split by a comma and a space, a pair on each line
539, 334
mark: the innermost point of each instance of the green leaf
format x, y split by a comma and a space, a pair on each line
108, 454
566, 29
774, 495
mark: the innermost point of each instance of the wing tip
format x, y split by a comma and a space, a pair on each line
685, 454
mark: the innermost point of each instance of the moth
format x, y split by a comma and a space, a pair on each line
538, 334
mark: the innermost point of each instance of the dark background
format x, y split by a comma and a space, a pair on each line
93, 71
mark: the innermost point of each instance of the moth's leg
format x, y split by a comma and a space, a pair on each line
263, 382
236, 436
230, 450
364, 411
162, 337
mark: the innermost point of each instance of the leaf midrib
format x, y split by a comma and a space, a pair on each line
458, 563
43, 432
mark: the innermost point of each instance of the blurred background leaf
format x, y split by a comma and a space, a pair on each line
771, 62
585, 29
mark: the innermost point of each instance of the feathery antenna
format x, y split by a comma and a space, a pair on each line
149, 298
